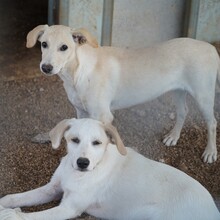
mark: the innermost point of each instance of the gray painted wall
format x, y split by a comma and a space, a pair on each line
135, 23
144, 22
208, 23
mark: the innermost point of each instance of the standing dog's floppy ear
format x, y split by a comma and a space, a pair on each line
82, 36
34, 35
56, 134
113, 133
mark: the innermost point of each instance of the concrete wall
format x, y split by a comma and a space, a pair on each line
83, 13
135, 23
208, 24
144, 22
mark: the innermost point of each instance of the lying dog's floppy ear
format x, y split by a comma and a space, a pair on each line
34, 35
113, 133
56, 134
82, 36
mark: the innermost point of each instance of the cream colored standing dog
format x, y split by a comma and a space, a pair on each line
95, 178
100, 79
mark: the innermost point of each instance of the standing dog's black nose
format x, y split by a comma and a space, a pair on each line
82, 162
47, 68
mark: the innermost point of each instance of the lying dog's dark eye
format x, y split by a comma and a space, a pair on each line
63, 47
44, 44
96, 142
75, 140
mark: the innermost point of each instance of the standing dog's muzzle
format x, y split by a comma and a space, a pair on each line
47, 68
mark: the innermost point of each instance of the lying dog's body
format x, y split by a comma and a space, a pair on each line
94, 178
100, 79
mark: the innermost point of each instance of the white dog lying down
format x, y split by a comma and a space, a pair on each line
95, 178
100, 79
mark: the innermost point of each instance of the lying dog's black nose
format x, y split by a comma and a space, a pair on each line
47, 68
82, 162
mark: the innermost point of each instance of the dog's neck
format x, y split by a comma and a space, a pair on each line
67, 74
78, 66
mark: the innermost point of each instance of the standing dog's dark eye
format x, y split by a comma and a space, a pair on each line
63, 47
44, 44
75, 140
96, 142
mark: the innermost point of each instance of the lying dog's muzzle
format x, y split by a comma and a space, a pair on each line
47, 68
82, 163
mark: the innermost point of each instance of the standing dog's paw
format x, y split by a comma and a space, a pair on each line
171, 138
209, 155
42, 138
10, 214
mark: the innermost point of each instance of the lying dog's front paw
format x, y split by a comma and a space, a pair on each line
209, 155
10, 214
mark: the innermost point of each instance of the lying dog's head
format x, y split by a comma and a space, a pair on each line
58, 45
87, 140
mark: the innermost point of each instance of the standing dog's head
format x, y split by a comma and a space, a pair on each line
87, 140
58, 45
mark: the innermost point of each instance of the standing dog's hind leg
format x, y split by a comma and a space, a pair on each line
207, 108
205, 98
179, 98
210, 153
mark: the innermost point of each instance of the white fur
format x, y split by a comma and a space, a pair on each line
113, 186
100, 79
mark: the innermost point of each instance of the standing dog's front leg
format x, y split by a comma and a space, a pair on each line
101, 111
81, 113
42, 138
